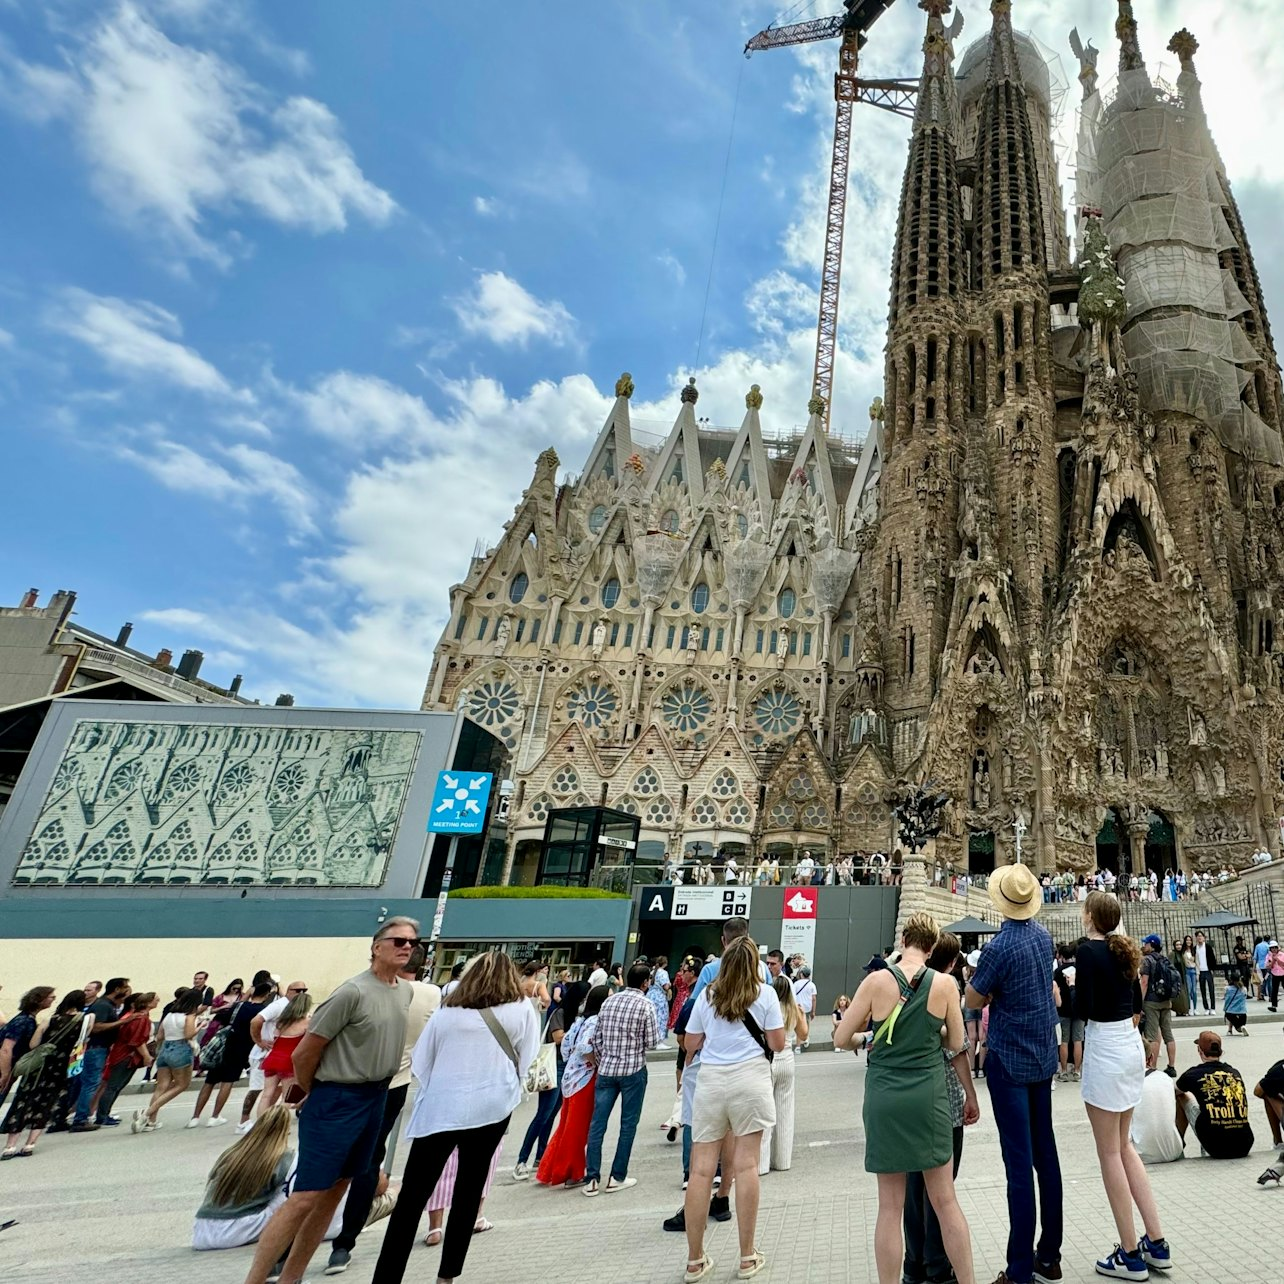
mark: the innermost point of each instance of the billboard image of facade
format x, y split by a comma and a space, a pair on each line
170, 802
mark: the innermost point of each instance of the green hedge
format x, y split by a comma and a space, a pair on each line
536, 894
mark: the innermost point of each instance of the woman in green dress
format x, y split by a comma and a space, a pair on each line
907, 1110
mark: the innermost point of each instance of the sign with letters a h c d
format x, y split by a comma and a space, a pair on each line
657, 902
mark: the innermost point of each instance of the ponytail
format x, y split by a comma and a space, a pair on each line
1126, 953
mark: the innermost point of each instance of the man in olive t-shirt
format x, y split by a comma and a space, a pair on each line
344, 1063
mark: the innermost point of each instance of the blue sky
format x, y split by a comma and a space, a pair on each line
293, 294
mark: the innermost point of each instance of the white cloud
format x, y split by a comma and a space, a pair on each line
503, 311
6, 339
171, 132
362, 409
137, 339
778, 302
487, 207
248, 475
669, 261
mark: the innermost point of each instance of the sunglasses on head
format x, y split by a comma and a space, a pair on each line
400, 942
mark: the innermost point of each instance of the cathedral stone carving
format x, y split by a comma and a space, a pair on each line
1048, 580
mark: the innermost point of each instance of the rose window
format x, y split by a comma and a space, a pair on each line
777, 712
738, 813
724, 784
593, 705
493, 702
800, 787
124, 779
705, 812
686, 707
626, 804
566, 781
659, 811
784, 815
815, 816
538, 809
288, 785
647, 782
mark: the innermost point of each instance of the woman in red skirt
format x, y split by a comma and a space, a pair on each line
564, 1158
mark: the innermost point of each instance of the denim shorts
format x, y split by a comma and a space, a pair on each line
339, 1126
174, 1054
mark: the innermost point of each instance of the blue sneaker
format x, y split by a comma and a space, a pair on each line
1156, 1253
1122, 1265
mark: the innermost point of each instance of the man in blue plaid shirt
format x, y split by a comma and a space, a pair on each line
1014, 979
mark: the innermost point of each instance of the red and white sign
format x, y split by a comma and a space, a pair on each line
798, 922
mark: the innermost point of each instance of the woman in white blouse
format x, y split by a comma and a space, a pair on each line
470, 1063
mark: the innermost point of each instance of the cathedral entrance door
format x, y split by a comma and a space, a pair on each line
1112, 844
1161, 844
980, 851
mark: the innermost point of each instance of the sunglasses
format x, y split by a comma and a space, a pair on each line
400, 942
297, 989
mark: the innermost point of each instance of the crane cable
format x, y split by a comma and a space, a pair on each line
717, 227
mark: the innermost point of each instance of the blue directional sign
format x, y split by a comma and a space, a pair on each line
459, 802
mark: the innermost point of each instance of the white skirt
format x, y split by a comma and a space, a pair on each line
1114, 1065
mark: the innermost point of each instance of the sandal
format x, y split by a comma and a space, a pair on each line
481, 1226
756, 1262
702, 1268
11, 1153
433, 1238
1271, 1174
25, 1152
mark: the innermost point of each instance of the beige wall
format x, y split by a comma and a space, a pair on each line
164, 963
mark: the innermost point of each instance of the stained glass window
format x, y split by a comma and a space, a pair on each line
593, 705
517, 589
647, 782
610, 592
705, 812
687, 707
787, 603
783, 816
725, 784
700, 598
597, 518
493, 701
566, 781
777, 712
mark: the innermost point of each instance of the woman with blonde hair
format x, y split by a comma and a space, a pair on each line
278, 1065
778, 1141
470, 1061
738, 1029
1108, 998
246, 1185
907, 1111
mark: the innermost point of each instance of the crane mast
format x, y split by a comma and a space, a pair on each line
891, 95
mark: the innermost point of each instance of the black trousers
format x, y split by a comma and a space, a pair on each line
925, 1255
117, 1078
1207, 994
361, 1192
424, 1165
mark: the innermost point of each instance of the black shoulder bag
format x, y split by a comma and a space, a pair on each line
758, 1037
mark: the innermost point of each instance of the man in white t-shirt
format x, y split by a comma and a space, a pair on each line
805, 869
263, 1032
1154, 1122
598, 975
805, 997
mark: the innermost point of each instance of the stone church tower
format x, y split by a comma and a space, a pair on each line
1049, 580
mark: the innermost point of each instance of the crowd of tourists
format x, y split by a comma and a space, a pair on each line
328, 1083
855, 869
1174, 885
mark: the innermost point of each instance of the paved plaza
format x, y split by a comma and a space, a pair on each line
118, 1207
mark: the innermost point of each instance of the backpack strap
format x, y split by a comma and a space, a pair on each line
501, 1037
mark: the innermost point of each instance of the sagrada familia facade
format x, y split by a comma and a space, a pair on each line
1049, 581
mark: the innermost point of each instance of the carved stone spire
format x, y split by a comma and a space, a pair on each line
1130, 58
1087, 56
1008, 206
1184, 45
928, 262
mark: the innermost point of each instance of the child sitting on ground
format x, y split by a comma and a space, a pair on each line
1235, 1005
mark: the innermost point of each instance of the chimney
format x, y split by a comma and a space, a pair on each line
190, 665
284, 700
61, 603
164, 658
235, 688
29, 599
122, 638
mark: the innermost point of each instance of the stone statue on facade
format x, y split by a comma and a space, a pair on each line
599, 639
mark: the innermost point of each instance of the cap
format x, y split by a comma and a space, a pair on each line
1209, 1043
1276, 944
1152, 940
974, 958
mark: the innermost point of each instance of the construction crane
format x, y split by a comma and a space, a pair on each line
895, 96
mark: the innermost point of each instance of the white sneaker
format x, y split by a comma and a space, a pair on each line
521, 1171
242, 1129
216, 1121
612, 1185
193, 1122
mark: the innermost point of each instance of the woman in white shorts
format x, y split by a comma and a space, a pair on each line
737, 1028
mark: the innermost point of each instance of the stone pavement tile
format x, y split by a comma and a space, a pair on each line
113, 1208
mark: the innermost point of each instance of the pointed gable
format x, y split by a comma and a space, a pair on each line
614, 443
862, 499
747, 463
679, 458
812, 460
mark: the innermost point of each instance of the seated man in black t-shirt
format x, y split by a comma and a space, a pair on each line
1212, 1096
1271, 1090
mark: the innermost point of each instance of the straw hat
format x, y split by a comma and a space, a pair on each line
1016, 892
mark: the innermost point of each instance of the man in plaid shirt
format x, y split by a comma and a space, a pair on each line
626, 1028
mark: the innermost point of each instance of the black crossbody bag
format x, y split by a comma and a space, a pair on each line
758, 1037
